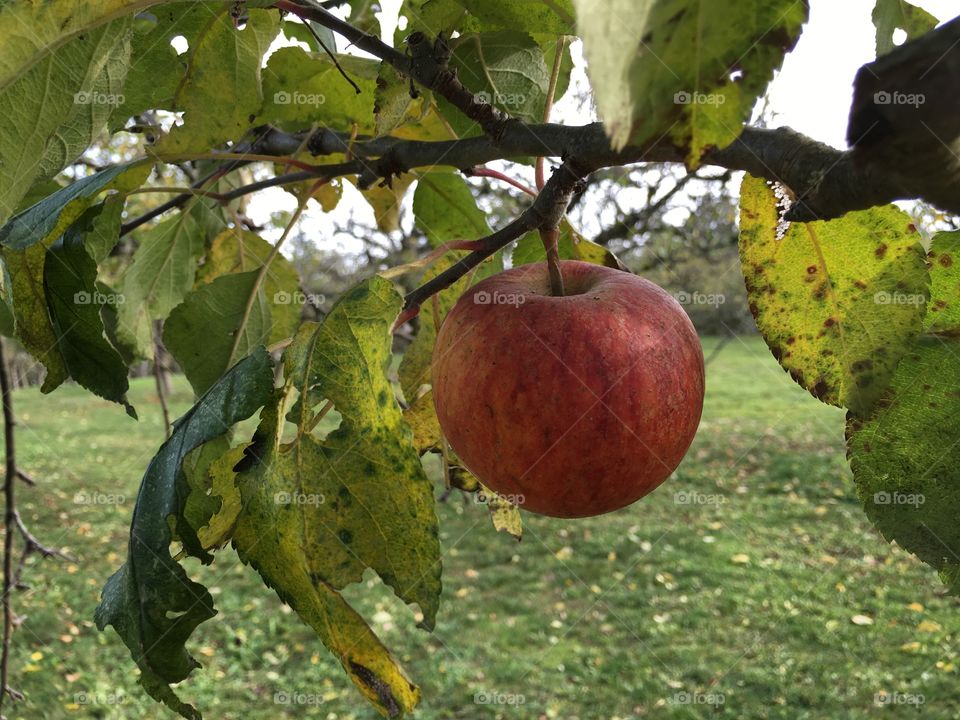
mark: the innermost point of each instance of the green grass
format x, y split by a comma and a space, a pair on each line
747, 594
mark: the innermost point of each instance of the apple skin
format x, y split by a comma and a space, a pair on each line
570, 406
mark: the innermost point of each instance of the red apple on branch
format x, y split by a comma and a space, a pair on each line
570, 406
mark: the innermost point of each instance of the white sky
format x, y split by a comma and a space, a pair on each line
811, 94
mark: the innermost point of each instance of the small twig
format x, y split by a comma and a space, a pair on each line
487, 172
158, 378
26, 478
548, 105
10, 523
332, 57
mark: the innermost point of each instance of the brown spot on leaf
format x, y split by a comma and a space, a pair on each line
946, 259
829, 322
811, 269
820, 389
880, 251
860, 284
381, 688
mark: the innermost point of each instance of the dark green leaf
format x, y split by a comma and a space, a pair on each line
74, 303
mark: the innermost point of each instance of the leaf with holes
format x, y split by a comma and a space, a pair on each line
220, 93
150, 601
837, 302
316, 513
892, 15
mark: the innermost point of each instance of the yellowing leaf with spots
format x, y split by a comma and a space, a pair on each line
837, 302
943, 310
318, 512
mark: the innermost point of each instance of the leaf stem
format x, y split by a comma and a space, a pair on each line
550, 238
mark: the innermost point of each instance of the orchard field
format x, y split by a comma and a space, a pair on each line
749, 585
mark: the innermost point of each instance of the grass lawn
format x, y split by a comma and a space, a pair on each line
750, 585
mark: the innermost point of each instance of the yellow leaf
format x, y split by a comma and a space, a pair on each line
861, 620
740, 559
928, 626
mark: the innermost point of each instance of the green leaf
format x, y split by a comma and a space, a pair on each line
34, 31
150, 601
570, 246
837, 302
57, 86
237, 251
317, 513
687, 68
48, 218
892, 15
445, 209
25, 239
301, 88
506, 69
212, 328
533, 16
906, 457
943, 308
74, 303
104, 234
220, 95
161, 273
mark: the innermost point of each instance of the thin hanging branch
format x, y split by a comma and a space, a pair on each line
13, 525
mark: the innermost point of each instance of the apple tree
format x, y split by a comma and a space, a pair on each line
222, 99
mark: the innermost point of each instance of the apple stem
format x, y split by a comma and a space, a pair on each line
550, 238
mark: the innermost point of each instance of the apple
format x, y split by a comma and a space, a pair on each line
568, 406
